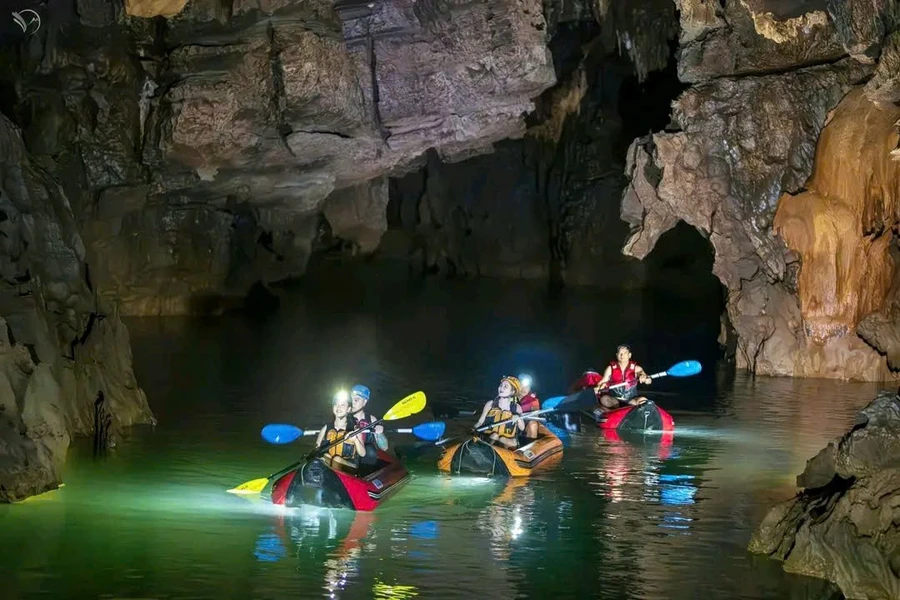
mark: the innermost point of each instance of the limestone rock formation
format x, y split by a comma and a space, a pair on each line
60, 344
841, 224
199, 152
742, 141
752, 36
843, 525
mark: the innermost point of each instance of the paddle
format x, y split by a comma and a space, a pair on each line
685, 368
410, 405
571, 403
280, 433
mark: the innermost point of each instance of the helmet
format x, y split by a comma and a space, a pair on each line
340, 395
514, 382
360, 390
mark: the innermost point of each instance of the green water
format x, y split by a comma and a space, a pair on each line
614, 519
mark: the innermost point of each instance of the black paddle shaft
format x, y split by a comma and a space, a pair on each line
321, 451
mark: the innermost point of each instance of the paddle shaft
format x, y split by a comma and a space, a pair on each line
321, 452
625, 383
522, 416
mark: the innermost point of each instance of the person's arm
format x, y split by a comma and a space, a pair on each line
484, 412
642, 375
520, 422
321, 436
603, 381
380, 438
358, 443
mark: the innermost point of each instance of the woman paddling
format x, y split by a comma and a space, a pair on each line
504, 406
622, 370
343, 456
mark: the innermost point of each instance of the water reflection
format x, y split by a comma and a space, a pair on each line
654, 517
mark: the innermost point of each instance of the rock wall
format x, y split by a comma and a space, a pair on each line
843, 525
60, 343
199, 150
801, 224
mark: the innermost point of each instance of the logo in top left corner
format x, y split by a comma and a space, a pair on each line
28, 20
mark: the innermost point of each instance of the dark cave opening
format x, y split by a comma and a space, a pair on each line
683, 294
646, 106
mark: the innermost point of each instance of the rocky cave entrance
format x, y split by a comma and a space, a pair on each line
685, 302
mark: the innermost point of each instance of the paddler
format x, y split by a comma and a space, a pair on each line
373, 439
529, 403
504, 406
621, 370
346, 454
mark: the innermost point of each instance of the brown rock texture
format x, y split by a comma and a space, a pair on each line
741, 142
60, 344
198, 155
841, 225
843, 525
154, 8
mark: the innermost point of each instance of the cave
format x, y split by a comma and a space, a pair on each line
704, 179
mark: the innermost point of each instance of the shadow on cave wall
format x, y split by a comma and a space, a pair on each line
543, 207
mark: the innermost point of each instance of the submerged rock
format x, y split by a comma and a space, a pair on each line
843, 525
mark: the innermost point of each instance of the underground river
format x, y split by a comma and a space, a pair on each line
620, 519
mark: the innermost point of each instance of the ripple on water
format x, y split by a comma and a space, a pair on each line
615, 519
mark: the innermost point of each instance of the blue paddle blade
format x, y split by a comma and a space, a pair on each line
552, 402
280, 433
431, 432
685, 369
424, 530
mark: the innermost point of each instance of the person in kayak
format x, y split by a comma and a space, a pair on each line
373, 439
621, 370
504, 406
529, 403
346, 454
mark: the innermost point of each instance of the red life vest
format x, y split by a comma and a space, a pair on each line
629, 376
529, 402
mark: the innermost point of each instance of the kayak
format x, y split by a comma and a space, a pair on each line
315, 483
644, 417
479, 457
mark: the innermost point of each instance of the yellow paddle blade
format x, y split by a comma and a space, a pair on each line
410, 405
251, 487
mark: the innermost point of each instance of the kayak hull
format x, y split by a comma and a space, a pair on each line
316, 484
644, 417
476, 456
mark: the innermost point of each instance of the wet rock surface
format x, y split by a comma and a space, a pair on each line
198, 151
60, 344
842, 526
739, 143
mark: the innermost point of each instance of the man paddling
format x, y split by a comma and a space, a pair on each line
359, 396
622, 370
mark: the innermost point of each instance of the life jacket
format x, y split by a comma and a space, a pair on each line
529, 402
629, 376
496, 415
347, 450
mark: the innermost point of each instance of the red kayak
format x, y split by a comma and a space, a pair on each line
314, 483
645, 417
